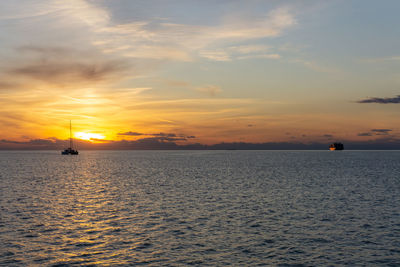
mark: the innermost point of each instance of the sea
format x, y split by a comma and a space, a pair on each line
201, 208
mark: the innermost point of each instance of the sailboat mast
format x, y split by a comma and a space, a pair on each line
70, 134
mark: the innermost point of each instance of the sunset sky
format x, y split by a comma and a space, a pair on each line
200, 71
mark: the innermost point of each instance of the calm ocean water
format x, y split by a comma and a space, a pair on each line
205, 208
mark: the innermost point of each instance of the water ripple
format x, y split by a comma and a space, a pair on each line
201, 208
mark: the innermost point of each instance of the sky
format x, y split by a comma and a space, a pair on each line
205, 72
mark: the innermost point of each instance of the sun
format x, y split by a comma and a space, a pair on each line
89, 136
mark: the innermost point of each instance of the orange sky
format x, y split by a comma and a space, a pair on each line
261, 72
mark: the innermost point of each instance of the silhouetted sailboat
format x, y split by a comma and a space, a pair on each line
70, 150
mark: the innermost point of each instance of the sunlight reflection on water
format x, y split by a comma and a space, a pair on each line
200, 208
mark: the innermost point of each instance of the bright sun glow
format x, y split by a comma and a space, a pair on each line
89, 136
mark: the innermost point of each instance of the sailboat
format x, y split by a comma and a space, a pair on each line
70, 150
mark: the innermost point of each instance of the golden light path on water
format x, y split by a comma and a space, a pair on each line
85, 207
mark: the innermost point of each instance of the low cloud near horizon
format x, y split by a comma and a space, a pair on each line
376, 132
381, 100
170, 143
159, 136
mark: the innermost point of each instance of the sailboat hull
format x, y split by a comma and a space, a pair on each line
69, 151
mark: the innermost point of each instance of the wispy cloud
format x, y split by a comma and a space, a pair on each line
315, 66
169, 137
364, 134
52, 71
93, 47
381, 131
250, 49
215, 55
260, 56
373, 132
8, 85
182, 41
382, 59
82, 60
210, 90
240, 52
36, 66
130, 133
381, 100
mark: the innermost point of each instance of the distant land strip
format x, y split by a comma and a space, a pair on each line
155, 144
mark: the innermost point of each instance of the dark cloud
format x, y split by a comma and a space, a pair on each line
364, 134
45, 50
33, 143
381, 130
131, 133
165, 134
161, 136
8, 85
64, 65
165, 139
9, 141
379, 100
53, 71
327, 136
376, 132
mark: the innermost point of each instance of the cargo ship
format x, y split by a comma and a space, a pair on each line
336, 146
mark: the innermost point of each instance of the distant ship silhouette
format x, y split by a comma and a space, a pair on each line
70, 150
336, 146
